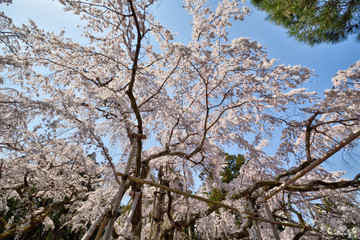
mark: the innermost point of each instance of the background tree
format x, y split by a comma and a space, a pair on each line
130, 79
315, 22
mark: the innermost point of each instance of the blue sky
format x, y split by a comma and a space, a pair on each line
325, 59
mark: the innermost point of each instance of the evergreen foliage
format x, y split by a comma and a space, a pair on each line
232, 168
315, 21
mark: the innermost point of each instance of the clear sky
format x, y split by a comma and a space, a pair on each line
325, 59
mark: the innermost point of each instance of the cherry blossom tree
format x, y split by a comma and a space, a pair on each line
75, 118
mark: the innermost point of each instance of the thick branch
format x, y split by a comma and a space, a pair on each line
142, 181
351, 137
